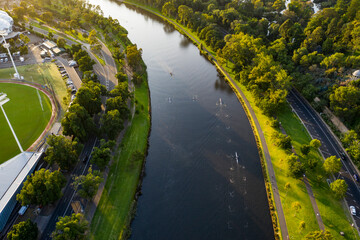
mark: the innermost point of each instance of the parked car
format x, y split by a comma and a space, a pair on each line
353, 210
73, 97
62, 71
64, 75
69, 82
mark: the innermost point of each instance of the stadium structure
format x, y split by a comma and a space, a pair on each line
13, 173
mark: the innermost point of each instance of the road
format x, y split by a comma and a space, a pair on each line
329, 147
45, 32
63, 206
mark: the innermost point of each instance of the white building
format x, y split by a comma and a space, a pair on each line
356, 74
6, 22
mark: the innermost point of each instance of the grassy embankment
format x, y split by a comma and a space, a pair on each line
331, 210
46, 73
117, 204
26, 117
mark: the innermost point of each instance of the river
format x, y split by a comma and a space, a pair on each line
203, 173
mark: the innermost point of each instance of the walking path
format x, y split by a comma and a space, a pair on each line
252, 117
314, 204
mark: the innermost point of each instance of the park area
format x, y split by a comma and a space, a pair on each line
28, 111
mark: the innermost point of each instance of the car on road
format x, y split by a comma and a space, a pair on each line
343, 156
356, 177
353, 210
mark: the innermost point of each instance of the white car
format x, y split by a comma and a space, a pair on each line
353, 210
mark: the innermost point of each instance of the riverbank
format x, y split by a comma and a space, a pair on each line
335, 219
118, 201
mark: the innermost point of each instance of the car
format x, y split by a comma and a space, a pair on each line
353, 210
73, 90
47, 58
73, 97
356, 177
64, 75
69, 82
63, 71
86, 159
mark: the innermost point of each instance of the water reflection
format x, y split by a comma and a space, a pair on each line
221, 84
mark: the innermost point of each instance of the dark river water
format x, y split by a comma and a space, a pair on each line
195, 186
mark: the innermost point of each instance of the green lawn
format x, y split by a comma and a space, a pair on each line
45, 73
113, 214
26, 117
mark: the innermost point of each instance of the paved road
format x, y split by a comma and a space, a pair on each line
71, 72
330, 146
63, 207
45, 32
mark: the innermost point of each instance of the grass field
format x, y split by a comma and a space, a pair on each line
113, 213
25, 115
46, 73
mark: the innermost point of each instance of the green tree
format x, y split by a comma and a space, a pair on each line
296, 206
281, 140
315, 144
61, 42
92, 39
169, 9
112, 123
339, 188
305, 149
77, 122
86, 63
41, 188
24, 50
184, 14
72, 227
61, 151
26, 230
89, 96
87, 185
345, 101
332, 165
319, 235
134, 56
50, 35
121, 77
102, 155
25, 38
295, 167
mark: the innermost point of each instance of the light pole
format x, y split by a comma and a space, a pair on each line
4, 99
3, 33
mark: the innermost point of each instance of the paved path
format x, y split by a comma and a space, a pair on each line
314, 204
246, 104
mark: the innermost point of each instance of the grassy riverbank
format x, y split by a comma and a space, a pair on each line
117, 204
331, 210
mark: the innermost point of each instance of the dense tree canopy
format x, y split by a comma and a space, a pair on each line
72, 227
41, 188
61, 151
87, 185
26, 230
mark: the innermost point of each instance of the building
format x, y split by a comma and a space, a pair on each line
6, 22
356, 74
49, 45
13, 173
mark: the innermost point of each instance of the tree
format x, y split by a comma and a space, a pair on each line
92, 37
315, 144
77, 122
281, 140
302, 225
50, 35
87, 185
332, 165
24, 50
305, 149
89, 96
86, 63
26, 230
61, 151
112, 123
339, 188
61, 42
102, 155
134, 56
345, 101
185, 13
71, 227
295, 167
296, 206
319, 235
41, 188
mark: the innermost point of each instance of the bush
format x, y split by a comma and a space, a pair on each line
281, 140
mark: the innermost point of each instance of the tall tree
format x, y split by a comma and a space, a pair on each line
87, 185
26, 230
101, 155
72, 227
61, 151
41, 188
339, 188
332, 165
